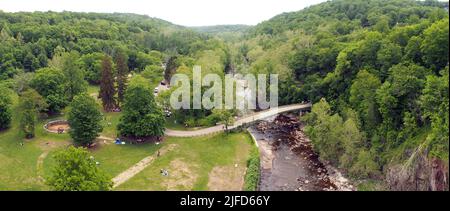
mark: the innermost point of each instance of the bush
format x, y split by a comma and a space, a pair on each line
253, 171
365, 166
190, 122
5, 110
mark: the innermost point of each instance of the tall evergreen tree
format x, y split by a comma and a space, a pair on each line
107, 90
122, 72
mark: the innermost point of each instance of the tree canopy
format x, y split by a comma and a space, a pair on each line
76, 170
142, 117
84, 119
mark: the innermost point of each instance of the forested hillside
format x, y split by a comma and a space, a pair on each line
35, 47
377, 73
86, 79
229, 33
220, 29
30, 39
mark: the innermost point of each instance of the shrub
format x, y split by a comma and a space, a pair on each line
253, 171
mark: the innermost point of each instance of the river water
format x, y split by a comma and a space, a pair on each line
288, 162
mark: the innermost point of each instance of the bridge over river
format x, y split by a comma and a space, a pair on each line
239, 122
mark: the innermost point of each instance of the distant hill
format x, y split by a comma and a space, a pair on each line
213, 30
310, 18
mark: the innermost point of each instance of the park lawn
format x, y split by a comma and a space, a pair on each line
191, 161
115, 159
25, 167
110, 119
173, 125
110, 122
20, 166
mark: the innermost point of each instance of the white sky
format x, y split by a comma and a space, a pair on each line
182, 12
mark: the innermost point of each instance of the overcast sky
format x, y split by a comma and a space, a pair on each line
182, 12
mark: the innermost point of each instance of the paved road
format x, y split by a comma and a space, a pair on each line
243, 120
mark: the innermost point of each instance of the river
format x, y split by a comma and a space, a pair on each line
288, 162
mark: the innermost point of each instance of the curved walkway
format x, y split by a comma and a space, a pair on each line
243, 120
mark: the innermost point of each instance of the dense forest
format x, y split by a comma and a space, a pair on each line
376, 72
36, 45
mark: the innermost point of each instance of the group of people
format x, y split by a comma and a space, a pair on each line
164, 172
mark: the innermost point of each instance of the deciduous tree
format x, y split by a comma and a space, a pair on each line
75, 83
5, 109
76, 170
30, 103
49, 82
84, 119
141, 115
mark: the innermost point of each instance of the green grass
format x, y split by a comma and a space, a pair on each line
18, 164
372, 185
117, 158
21, 170
171, 124
199, 154
93, 89
110, 122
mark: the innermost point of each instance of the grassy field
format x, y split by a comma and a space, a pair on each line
205, 163
172, 124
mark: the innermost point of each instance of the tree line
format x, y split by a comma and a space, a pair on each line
376, 72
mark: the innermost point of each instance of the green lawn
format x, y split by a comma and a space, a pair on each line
172, 124
191, 162
24, 167
110, 120
19, 166
117, 158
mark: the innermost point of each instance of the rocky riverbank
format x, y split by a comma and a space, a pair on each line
288, 161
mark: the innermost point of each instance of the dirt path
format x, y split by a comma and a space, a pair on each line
141, 165
40, 165
105, 138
